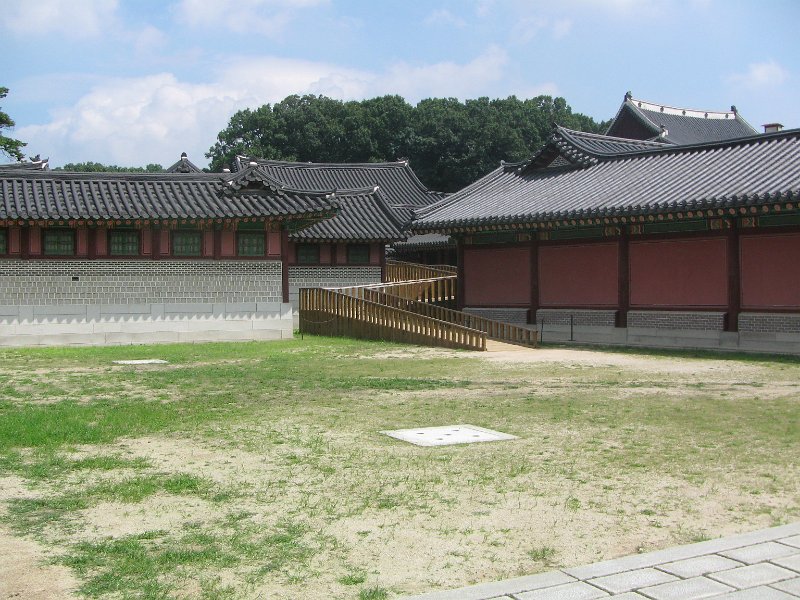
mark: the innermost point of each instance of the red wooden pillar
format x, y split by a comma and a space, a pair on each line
24, 242
155, 234
534, 279
285, 263
460, 266
734, 279
92, 241
217, 242
623, 279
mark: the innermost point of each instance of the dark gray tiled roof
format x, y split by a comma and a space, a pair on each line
578, 148
364, 216
397, 180
424, 240
747, 171
184, 165
33, 165
683, 125
103, 196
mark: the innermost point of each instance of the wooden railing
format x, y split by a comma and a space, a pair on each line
437, 290
333, 312
397, 270
496, 330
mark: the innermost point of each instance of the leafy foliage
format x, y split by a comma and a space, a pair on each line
8, 146
450, 143
96, 167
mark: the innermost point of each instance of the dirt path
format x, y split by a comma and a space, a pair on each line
24, 572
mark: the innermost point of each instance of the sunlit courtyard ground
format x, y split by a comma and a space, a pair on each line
258, 470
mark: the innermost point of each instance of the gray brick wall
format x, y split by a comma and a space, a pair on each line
515, 316
52, 282
666, 319
580, 317
769, 322
56, 302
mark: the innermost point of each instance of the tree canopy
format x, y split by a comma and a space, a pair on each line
450, 143
96, 167
8, 146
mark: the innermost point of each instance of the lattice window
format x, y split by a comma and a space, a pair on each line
250, 243
358, 254
3, 241
308, 254
59, 242
123, 242
187, 243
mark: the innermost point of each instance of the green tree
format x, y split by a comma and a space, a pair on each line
450, 143
8, 146
96, 167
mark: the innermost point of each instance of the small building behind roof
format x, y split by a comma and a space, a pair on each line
400, 187
643, 120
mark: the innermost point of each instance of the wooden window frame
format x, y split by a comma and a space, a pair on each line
49, 233
115, 232
176, 234
351, 248
301, 259
241, 235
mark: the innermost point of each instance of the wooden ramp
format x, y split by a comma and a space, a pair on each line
413, 311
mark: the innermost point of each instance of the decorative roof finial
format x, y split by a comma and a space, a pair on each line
664, 132
733, 108
184, 156
628, 95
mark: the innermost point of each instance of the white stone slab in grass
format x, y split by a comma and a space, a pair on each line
143, 361
448, 435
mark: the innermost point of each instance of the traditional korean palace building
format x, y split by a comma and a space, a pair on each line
655, 238
399, 186
184, 255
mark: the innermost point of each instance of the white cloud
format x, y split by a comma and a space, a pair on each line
71, 18
148, 40
761, 75
561, 28
135, 121
442, 16
526, 29
268, 17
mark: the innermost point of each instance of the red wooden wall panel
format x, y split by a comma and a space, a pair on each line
578, 275
497, 276
679, 273
770, 271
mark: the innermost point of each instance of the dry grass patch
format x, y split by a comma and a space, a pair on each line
258, 470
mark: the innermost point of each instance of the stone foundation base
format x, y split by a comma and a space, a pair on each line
515, 316
99, 324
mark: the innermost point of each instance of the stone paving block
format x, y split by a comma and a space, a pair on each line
632, 580
650, 559
791, 586
791, 541
499, 588
788, 562
756, 593
570, 591
759, 552
692, 567
753, 575
629, 596
686, 589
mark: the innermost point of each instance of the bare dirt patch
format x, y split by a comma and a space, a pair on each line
156, 513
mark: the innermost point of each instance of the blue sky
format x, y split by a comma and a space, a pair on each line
132, 82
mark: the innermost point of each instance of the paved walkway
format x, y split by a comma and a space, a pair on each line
762, 565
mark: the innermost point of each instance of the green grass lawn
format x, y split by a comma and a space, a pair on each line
257, 469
